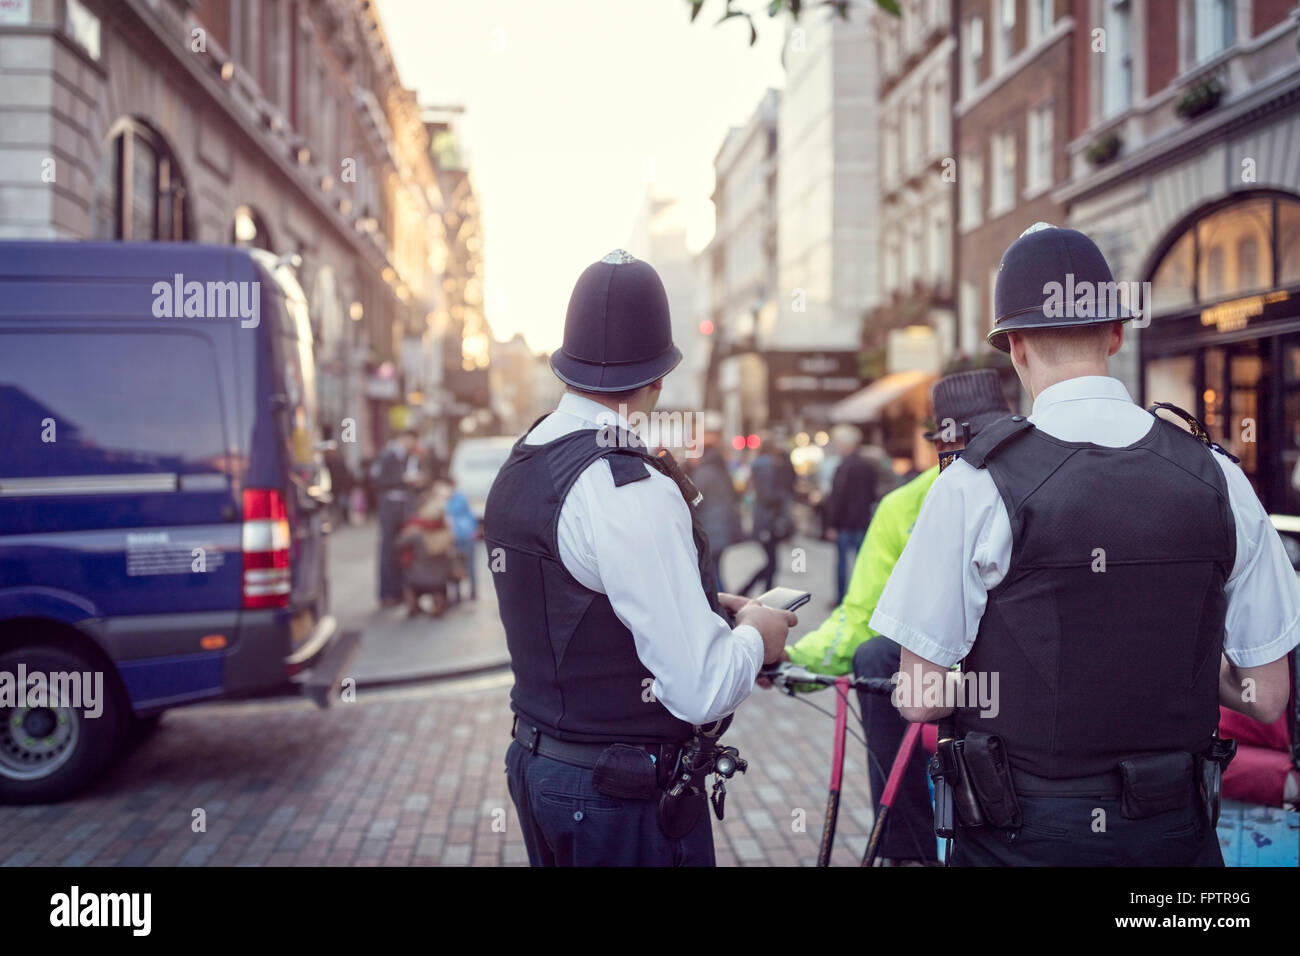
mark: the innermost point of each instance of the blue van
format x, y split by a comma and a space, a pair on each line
162, 497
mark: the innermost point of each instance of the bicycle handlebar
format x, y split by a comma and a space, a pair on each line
787, 676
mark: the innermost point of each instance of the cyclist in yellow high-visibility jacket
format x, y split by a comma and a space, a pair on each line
844, 642
830, 648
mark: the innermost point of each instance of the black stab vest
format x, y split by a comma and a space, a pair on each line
577, 674
1098, 665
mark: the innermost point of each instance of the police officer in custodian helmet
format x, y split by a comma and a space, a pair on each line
626, 666
1107, 579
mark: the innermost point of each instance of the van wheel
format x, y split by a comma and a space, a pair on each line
49, 749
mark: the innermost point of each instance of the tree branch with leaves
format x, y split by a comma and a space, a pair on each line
776, 8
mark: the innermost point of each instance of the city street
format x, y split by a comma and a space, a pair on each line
412, 774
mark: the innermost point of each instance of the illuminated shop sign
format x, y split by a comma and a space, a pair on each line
1230, 316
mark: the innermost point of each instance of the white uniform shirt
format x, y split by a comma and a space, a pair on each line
634, 545
933, 601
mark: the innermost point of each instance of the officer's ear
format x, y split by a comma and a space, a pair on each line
1116, 338
657, 386
1016, 344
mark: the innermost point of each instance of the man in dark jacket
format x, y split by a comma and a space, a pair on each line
391, 475
850, 503
719, 511
772, 478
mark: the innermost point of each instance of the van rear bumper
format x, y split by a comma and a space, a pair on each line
163, 660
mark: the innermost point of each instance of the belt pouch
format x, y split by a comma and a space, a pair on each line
626, 772
1155, 784
986, 765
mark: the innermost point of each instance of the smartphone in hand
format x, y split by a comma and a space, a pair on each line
784, 599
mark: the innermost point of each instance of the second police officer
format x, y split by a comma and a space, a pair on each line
1109, 576
626, 667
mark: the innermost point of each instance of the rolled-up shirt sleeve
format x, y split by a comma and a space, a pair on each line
641, 545
937, 592
1263, 619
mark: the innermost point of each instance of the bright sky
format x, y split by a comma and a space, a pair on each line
574, 109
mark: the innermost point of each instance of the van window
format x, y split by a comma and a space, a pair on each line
299, 382
79, 403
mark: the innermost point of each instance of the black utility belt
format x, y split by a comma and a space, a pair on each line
672, 773
975, 784
641, 770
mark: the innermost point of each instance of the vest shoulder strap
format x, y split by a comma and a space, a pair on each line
1199, 431
993, 438
627, 468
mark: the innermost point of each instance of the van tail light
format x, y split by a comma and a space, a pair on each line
266, 549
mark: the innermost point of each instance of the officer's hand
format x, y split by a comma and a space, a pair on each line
732, 602
766, 682
772, 625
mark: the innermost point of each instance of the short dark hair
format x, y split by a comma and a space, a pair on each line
624, 396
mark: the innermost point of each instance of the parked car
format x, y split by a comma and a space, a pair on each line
474, 466
162, 519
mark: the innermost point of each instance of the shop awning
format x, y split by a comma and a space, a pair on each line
867, 404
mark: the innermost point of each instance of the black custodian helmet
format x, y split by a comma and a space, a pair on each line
1044, 254
617, 333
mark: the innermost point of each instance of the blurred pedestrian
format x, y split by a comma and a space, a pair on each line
771, 478
392, 479
719, 511
850, 503
341, 480
427, 554
464, 526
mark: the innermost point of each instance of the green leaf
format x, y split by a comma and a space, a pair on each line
890, 6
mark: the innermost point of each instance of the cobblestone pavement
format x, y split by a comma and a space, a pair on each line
402, 776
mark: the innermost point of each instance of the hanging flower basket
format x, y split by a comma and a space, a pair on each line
1104, 148
1201, 97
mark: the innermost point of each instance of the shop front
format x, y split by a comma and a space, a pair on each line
1224, 338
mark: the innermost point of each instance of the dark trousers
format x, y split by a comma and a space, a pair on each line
909, 831
847, 546
392, 512
767, 573
565, 822
1066, 831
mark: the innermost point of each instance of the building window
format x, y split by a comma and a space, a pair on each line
939, 116
1228, 253
889, 144
1117, 61
913, 133
1003, 161
249, 229
939, 248
971, 175
1038, 152
892, 271
968, 306
1244, 229
1215, 27
1042, 15
83, 27
1003, 33
139, 189
974, 50
913, 265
